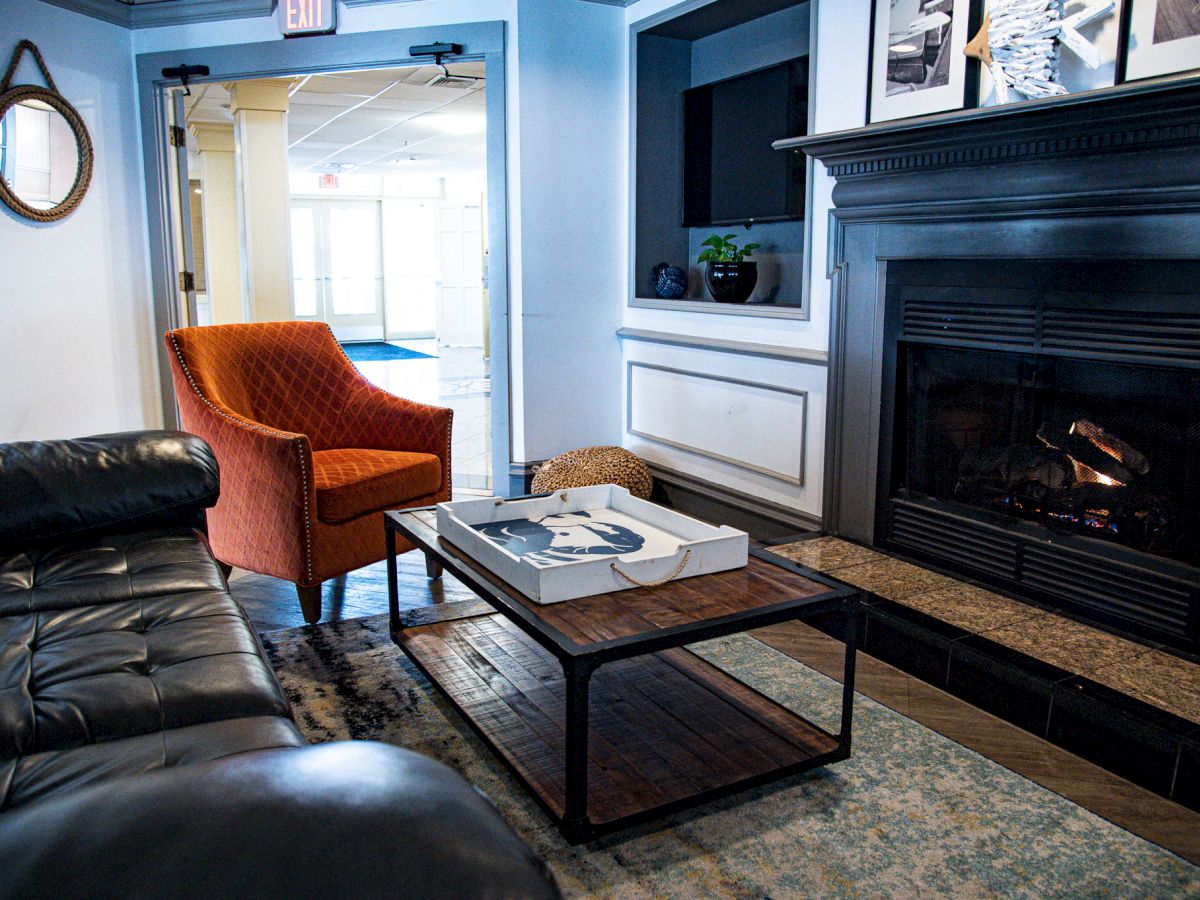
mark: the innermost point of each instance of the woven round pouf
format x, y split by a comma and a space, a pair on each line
594, 465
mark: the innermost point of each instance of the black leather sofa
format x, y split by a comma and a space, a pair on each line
146, 748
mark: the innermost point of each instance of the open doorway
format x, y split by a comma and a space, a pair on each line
356, 198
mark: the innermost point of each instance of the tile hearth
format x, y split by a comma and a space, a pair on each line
1150, 675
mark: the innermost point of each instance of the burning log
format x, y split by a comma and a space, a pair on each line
1133, 460
1077, 479
1105, 468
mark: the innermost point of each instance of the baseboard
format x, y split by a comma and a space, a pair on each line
520, 477
761, 519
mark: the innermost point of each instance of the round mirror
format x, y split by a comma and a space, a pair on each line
45, 154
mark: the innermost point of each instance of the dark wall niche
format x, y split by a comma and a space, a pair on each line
714, 88
731, 174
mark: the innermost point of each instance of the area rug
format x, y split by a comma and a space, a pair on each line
910, 814
375, 351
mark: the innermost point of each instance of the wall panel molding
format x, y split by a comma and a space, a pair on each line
685, 426
747, 348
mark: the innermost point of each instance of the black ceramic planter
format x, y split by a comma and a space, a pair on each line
731, 282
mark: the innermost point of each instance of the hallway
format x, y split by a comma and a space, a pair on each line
459, 378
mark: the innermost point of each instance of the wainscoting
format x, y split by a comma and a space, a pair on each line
734, 420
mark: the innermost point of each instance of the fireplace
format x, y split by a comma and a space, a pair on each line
1041, 430
1014, 387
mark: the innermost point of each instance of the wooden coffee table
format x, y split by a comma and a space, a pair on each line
596, 705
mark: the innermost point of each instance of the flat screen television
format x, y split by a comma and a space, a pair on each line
730, 173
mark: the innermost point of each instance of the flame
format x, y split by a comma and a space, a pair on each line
1087, 473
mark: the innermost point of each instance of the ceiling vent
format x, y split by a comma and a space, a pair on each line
445, 79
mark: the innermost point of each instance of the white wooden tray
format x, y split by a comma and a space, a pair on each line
585, 541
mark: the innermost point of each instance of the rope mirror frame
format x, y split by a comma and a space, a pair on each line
10, 97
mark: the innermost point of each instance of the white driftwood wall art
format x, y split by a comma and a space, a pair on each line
1021, 42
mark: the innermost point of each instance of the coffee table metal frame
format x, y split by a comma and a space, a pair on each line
580, 662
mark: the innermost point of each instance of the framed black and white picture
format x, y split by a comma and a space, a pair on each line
917, 61
1159, 37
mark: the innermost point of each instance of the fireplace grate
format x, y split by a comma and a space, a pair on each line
992, 551
1008, 326
1137, 595
1172, 338
1145, 600
1147, 338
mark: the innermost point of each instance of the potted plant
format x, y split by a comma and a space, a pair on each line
730, 278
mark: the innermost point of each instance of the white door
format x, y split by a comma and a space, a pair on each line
337, 270
460, 288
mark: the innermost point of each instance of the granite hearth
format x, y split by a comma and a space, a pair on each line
1129, 706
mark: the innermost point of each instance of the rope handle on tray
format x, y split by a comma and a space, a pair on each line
679, 568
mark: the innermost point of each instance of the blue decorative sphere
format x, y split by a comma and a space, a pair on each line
670, 282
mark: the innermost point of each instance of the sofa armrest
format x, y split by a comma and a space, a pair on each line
345, 819
62, 490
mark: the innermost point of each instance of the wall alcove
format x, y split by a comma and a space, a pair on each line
711, 86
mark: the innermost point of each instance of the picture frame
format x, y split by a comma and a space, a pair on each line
917, 66
1158, 37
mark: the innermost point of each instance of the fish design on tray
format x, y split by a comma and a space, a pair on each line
566, 537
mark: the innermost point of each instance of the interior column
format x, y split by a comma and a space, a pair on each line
219, 202
260, 132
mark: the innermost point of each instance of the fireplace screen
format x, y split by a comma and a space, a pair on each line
1083, 447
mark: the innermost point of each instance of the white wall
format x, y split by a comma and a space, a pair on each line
566, 194
573, 214
77, 348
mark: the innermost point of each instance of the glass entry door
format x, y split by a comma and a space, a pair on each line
337, 271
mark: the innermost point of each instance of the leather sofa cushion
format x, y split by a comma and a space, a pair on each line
62, 772
104, 570
353, 482
173, 650
343, 819
56, 491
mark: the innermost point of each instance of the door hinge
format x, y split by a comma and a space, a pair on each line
187, 282
178, 136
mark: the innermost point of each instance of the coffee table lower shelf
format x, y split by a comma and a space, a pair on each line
667, 730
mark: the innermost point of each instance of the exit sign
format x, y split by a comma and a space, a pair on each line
300, 17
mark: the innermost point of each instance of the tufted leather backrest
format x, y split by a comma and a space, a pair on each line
290, 376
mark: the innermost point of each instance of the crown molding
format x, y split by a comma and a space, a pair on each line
105, 10
155, 15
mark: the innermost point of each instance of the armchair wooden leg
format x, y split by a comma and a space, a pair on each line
433, 568
310, 602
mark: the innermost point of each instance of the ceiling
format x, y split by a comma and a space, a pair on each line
378, 121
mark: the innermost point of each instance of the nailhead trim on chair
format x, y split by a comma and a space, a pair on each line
299, 444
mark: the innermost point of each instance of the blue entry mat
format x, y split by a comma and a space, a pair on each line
373, 351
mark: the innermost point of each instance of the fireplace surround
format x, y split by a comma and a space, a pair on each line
1015, 349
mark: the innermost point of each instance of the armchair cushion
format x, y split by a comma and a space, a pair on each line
353, 482
134, 481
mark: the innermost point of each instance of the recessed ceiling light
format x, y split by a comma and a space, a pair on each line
458, 124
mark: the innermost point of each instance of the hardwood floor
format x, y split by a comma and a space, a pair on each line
271, 604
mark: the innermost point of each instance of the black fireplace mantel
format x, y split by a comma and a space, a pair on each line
1089, 146
1096, 192
1105, 174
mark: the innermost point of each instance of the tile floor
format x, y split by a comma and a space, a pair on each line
457, 377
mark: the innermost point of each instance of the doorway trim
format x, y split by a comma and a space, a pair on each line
330, 53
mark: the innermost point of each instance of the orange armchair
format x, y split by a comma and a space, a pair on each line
310, 451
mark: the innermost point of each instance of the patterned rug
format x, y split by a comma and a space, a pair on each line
910, 814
